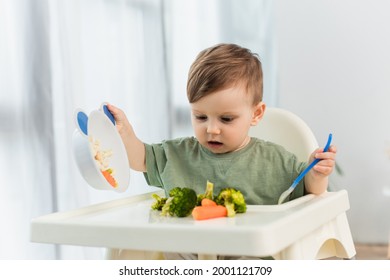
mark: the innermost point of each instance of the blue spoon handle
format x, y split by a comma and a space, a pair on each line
287, 192
314, 162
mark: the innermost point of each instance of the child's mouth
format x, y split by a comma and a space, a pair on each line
214, 144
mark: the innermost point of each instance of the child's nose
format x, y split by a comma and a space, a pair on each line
212, 128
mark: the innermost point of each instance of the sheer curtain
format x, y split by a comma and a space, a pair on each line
59, 55
62, 55
106, 51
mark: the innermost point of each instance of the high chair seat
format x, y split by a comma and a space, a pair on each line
288, 130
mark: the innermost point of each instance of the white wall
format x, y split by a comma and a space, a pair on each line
334, 71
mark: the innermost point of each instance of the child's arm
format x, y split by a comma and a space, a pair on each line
135, 148
316, 181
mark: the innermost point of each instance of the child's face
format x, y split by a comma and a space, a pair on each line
221, 120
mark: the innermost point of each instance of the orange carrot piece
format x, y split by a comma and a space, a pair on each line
208, 202
209, 212
109, 178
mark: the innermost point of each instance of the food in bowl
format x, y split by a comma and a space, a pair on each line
102, 158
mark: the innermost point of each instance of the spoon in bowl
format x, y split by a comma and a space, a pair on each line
287, 192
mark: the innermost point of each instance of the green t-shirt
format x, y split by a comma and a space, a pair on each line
261, 170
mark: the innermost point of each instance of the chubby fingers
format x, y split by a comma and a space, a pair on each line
327, 160
114, 110
122, 123
119, 115
330, 154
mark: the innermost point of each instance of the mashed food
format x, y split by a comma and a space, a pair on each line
102, 158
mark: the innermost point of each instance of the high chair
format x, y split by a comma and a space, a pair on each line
288, 130
309, 227
332, 239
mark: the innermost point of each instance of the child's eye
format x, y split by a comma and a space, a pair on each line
201, 118
227, 119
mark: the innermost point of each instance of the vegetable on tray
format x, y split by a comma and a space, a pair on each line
180, 202
159, 202
233, 200
207, 194
209, 212
208, 202
184, 201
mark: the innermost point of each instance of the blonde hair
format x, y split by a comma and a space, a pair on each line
223, 66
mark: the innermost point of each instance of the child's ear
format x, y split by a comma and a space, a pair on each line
258, 113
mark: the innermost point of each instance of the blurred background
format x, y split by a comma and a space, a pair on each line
326, 60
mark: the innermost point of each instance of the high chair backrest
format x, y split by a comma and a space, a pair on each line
286, 129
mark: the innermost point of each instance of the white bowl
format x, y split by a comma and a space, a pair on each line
101, 128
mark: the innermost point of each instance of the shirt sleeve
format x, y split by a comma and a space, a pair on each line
155, 163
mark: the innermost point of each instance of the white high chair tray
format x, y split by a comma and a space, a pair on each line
129, 223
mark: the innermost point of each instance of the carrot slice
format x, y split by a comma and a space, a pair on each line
209, 212
109, 178
208, 202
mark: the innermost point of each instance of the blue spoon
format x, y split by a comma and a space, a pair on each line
286, 193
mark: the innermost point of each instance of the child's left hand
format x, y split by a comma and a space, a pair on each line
326, 165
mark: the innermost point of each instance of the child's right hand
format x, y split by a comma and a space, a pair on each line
122, 123
134, 147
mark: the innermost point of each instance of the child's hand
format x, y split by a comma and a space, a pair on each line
121, 121
134, 147
326, 165
316, 181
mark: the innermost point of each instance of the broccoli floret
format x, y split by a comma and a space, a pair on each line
159, 202
207, 194
175, 191
180, 203
233, 200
